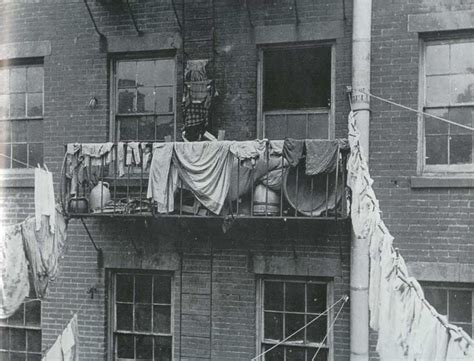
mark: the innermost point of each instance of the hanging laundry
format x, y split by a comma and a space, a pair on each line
163, 179
44, 198
321, 156
250, 149
458, 348
133, 154
98, 153
120, 159
55, 352
70, 341
14, 284
43, 250
293, 150
205, 167
195, 70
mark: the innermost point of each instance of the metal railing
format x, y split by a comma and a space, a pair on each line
269, 188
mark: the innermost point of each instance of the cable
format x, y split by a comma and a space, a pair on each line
180, 26
16, 160
417, 111
343, 298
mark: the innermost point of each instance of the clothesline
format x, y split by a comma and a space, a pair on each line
16, 160
417, 111
344, 298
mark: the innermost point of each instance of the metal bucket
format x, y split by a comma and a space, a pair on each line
265, 201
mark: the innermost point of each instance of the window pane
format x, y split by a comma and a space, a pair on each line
124, 288
460, 149
35, 131
17, 356
317, 330
164, 100
277, 354
162, 319
462, 59
144, 347
34, 357
146, 128
126, 74
461, 115
124, 317
126, 101
322, 354
35, 154
436, 150
164, 72
145, 72
295, 353
5, 162
438, 299
296, 126
437, 90
295, 295
20, 155
34, 79
17, 339
437, 59
318, 126
128, 129
125, 348
273, 296
33, 309
296, 78
143, 288
163, 348
143, 318
17, 105
460, 306
162, 289
316, 294
35, 104
462, 88
164, 126
4, 81
19, 131
435, 126
4, 338
4, 106
275, 126
294, 322
34, 340
145, 100
18, 318
273, 326
17, 80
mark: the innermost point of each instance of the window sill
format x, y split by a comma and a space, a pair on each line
17, 178
432, 181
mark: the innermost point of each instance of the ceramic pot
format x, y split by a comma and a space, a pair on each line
100, 196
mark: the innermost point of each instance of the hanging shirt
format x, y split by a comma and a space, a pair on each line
14, 284
44, 198
54, 353
70, 341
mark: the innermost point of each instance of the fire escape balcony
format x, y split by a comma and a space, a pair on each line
114, 182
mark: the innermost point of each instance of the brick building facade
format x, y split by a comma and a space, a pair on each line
215, 302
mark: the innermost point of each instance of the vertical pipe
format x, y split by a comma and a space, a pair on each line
359, 314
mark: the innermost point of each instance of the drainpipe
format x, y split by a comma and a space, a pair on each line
361, 28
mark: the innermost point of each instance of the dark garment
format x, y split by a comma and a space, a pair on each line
195, 114
293, 150
321, 156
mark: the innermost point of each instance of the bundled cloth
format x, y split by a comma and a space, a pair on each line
409, 328
66, 346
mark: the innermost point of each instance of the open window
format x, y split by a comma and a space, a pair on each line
296, 92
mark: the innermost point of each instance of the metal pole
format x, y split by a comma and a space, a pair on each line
359, 294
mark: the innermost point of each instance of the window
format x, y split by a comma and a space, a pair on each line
287, 306
144, 99
454, 302
295, 92
21, 114
20, 334
448, 86
141, 316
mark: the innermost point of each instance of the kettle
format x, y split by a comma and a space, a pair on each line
99, 193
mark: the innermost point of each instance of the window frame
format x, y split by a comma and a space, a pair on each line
260, 299
260, 62
113, 93
447, 286
24, 63
437, 169
111, 304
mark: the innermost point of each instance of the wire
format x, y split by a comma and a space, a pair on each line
329, 330
180, 26
417, 111
343, 298
18, 161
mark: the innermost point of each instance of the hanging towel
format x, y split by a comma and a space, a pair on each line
44, 198
43, 250
250, 149
205, 167
97, 152
293, 150
54, 353
14, 284
70, 341
163, 179
133, 154
321, 156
